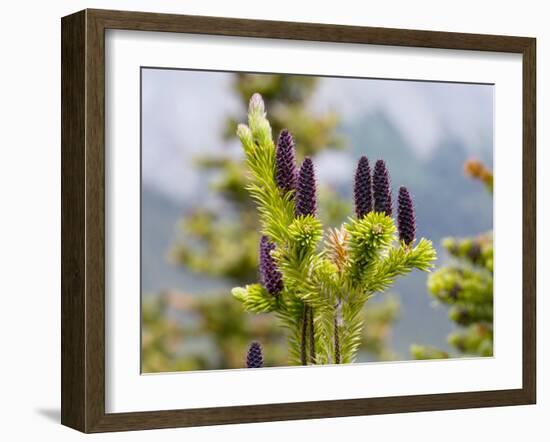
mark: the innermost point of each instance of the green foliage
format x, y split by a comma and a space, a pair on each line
185, 332
211, 245
325, 287
476, 251
160, 339
368, 239
255, 298
425, 352
476, 339
379, 318
460, 286
216, 333
466, 287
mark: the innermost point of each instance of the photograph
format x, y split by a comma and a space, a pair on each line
241, 221
292, 220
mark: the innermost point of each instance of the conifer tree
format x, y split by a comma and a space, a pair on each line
466, 286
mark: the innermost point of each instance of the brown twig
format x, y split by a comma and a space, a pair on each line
303, 343
311, 337
336, 341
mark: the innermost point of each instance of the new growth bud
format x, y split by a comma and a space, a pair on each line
243, 132
256, 105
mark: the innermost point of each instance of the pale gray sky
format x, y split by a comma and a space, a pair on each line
184, 113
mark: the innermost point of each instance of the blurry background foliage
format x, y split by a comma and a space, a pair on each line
185, 332
466, 287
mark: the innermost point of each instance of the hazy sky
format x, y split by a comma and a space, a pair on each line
184, 114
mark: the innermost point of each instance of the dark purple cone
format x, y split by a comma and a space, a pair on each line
381, 188
362, 189
306, 199
270, 277
254, 358
285, 162
405, 216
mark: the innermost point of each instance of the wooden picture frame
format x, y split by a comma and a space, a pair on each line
83, 219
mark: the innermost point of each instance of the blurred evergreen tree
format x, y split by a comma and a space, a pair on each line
466, 286
181, 331
379, 319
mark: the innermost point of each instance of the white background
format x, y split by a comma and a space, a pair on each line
30, 220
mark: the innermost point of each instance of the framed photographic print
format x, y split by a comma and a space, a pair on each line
268, 220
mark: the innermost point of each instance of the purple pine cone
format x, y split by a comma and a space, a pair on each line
306, 199
362, 189
270, 277
405, 216
382, 188
254, 358
285, 162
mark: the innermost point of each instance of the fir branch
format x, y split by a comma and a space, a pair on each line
352, 326
368, 238
477, 339
400, 261
463, 285
289, 314
466, 314
276, 210
255, 298
477, 251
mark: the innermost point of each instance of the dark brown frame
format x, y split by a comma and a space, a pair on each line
83, 216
